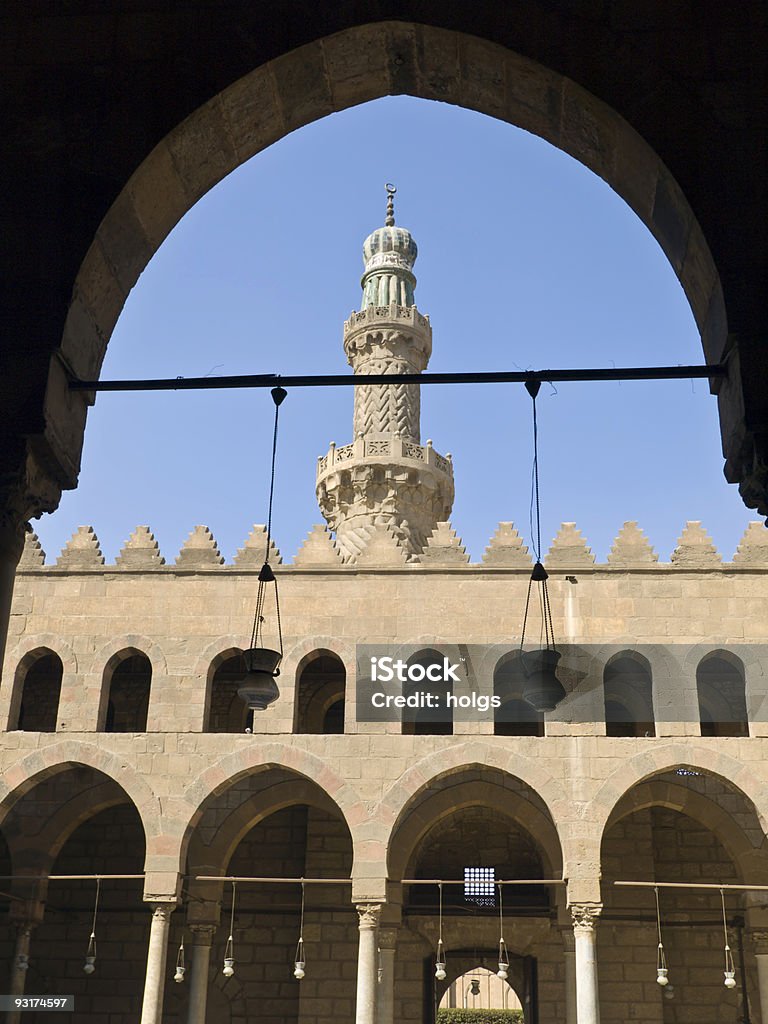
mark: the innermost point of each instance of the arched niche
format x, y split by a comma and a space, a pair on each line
514, 716
37, 689
720, 688
421, 719
628, 696
226, 711
320, 694
126, 691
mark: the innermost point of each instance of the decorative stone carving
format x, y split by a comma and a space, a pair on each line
140, 551
252, 552
695, 549
318, 549
631, 548
443, 547
753, 547
200, 550
506, 548
369, 915
585, 915
569, 549
81, 551
33, 556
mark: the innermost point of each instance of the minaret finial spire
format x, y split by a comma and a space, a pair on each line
391, 189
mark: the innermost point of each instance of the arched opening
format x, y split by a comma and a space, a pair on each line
514, 716
471, 829
520, 92
682, 826
429, 712
127, 685
36, 692
320, 694
628, 696
722, 697
79, 822
275, 824
226, 711
479, 988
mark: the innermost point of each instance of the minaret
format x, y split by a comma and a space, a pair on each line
386, 477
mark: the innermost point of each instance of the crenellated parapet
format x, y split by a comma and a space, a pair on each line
381, 544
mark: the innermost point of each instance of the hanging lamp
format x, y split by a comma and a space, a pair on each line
229, 950
542, 689
300, 961
258, 688
503, 971
661, 960
90, 956
440, 952
730, 970
178, 977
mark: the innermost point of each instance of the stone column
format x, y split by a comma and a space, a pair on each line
569, 955
385, 1001
760, 939
367, 963
198, 975
585, 917
154, 983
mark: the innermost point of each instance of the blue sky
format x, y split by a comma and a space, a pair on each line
526, 260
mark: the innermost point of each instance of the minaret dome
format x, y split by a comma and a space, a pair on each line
389, 254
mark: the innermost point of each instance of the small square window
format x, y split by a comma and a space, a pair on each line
480, 886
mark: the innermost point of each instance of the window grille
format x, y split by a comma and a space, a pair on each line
480, 886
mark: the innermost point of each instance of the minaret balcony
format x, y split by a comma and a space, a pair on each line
390, 450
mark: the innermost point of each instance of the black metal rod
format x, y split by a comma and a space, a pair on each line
329, 380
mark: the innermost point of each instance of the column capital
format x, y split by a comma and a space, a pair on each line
585, 915
203, 933
388, 937
759, 939
369, 915
162, 911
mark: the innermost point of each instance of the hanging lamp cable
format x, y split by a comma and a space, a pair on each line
729, 970
299, 959
90, 954
229, 949
440, 952
503, 953
266, 575
539, 573
661, 960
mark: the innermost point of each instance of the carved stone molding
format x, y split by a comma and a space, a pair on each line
585, 916
369, 915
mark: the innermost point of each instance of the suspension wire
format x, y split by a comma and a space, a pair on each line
92, 940
230, 946
661, 960
730, 970
278, 397
503, 954
539, 573
299, 958
266, 575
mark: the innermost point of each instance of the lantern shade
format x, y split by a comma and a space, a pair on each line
542, 690
258, 688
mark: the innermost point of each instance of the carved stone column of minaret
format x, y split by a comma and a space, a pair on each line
385, 477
